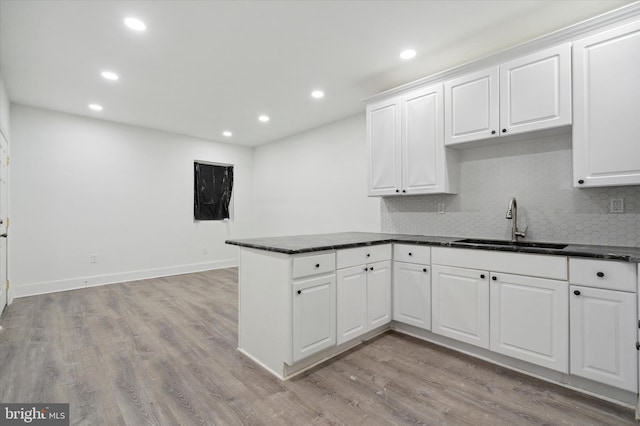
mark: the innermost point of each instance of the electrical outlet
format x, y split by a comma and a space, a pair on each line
616, 205
93, 258
441, 208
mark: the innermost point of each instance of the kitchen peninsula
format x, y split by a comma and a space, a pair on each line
305, 299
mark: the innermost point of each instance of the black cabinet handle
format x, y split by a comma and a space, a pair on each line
397, 190
424, 270
404, 190
371, 268
504, 130
577, 292
493, 132
482, 276
299, 291
317, 265
580, 181
368, 254
366, 269
410, 254
600, 274
494, 278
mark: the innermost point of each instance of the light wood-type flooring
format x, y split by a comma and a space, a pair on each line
163, 352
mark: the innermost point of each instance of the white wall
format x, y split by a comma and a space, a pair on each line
314, 182
81, 186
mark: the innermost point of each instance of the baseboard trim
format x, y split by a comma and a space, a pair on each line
34, 289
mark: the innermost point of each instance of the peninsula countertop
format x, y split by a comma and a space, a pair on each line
298, 244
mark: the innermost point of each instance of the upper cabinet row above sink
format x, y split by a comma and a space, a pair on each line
411, 134
526, 94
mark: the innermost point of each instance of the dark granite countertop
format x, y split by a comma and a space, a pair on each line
309, 243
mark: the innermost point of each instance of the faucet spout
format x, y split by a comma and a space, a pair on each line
513, 206
512, 213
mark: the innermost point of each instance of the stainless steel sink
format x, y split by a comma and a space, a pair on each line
471, 241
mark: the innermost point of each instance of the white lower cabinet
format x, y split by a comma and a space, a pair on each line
460, 304
603, 336
530, 319
352, 302
314, 315
363, 299
412, 294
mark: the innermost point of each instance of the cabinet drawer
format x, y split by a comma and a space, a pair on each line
412, 254
533, 265
603, 274
361, 255
305, 266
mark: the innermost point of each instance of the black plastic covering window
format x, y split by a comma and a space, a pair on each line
212, 191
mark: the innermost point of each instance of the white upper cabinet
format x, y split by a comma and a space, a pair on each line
426, 165
406, 145
383, 137
535, 91
606, 88
529, 93
471, 107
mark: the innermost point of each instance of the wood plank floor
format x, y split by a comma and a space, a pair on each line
163, 352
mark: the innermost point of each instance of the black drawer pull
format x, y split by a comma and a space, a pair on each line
410, 254
317, 265
424, 270
494, 278
482, 276
600, 274
299, 291
577, 292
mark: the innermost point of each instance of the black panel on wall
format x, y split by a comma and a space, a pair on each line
212, 191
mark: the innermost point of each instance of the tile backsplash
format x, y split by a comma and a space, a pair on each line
538, 172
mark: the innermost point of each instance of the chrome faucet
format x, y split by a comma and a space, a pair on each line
512, 213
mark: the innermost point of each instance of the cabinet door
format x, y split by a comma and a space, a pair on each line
603, 336
314, 315
378, 294
352, 302
412, 294
530, 319
606, 91
383, 137
471, 107
424, 166
535, 91
460, 304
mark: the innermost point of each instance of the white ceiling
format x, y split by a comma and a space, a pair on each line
207, 66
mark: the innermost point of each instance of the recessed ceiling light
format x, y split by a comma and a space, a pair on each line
317, 94
95, 107
109, 75
408, 54
227, 134
264, 118
135, 24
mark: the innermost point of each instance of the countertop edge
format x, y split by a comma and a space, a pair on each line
570, 251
